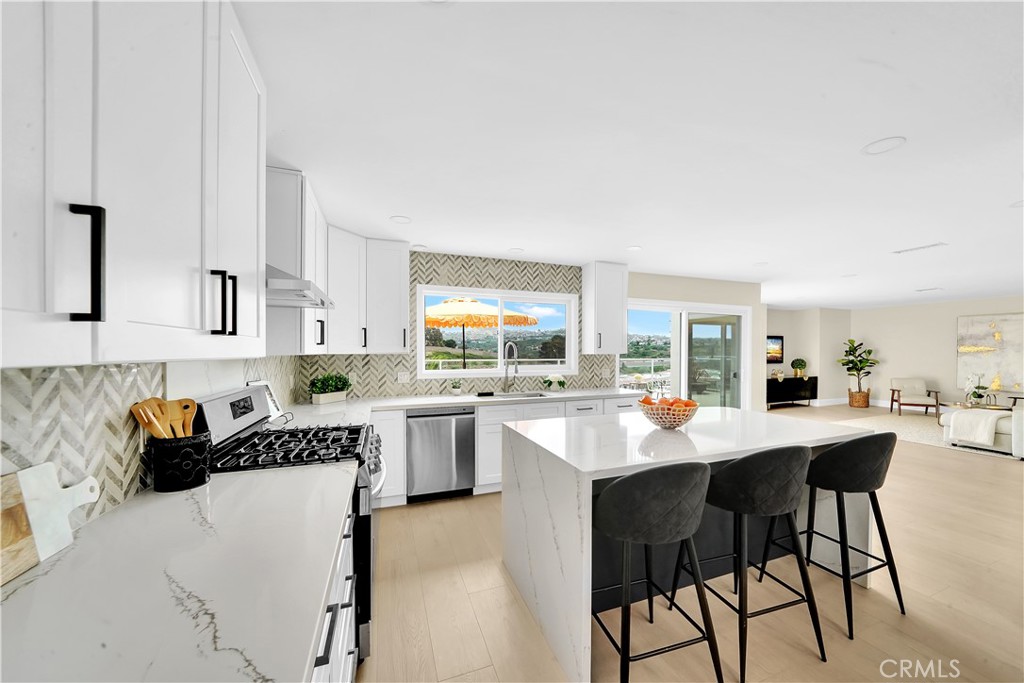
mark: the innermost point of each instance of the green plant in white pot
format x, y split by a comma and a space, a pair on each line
456, 385
329, 388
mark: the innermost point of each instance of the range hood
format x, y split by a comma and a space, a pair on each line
288, 291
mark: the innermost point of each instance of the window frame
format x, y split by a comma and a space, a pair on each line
570, 301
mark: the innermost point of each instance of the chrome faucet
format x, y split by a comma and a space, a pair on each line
506, 385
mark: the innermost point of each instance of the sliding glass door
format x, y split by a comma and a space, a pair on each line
692, 350
713, 358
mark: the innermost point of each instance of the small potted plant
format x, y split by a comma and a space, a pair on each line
329, 388
857, 360
798, 365
552, 380
456, 385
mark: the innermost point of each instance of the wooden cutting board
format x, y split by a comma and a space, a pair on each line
35, 516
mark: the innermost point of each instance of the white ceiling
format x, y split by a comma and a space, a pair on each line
722, 138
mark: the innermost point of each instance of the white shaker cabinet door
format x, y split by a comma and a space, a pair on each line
390, 426
235, 240
346, 285
47, 166
149, 177
488, 454
387, 296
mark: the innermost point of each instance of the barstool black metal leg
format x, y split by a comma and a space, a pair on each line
767, 547
735, 551
880, 523
679, 570
626, 601
805, 577
741, 525
647, 575
844, 558
812, 504
702, 598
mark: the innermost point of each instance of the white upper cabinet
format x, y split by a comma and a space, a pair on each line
605, 297
387, 296
47, 166
346, 285
297, 245
160, 123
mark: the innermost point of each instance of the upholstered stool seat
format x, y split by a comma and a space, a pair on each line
765, 484
653, 507
855, 466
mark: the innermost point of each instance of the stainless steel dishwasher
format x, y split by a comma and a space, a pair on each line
440, 451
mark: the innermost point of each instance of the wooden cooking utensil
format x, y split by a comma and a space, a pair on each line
143, 415
158, 407
188, 407
176, 416
158, 430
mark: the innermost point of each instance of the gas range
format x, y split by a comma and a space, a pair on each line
291, 447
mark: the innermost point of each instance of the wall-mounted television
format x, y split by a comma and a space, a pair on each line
774, 349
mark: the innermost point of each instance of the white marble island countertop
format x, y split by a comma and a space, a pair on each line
226, 582
613, 445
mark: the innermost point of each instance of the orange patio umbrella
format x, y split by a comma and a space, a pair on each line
463, 311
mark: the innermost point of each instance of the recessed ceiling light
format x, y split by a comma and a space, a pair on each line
929, 289
516, 250
634, 247
884, 145
1017, 205
403, 220
419, 247
921, 248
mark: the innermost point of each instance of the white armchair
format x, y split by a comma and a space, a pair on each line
911, 391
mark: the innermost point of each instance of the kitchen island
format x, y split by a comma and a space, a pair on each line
551, 469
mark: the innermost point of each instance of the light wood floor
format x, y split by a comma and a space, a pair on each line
445, 609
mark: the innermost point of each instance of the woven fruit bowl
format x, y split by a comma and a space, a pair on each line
668, 417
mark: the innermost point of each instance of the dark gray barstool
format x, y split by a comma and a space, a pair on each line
765, 484
855, 466
653, 507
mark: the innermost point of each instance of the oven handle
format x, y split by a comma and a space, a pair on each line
383, 476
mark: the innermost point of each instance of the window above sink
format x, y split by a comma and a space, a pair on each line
543, 325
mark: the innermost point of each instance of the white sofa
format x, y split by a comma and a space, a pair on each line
1009, 433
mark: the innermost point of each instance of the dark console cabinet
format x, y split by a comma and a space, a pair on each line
792, 389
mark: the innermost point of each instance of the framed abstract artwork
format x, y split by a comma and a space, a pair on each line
774, 349
990, 349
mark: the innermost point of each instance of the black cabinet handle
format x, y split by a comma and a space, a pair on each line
323, 332
233, 279
364, 337
97, 265
405, 334
325, 658
598, 340
223, 275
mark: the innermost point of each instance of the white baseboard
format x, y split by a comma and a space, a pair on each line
486, 488
819, 402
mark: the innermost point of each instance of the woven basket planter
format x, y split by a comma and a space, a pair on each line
859, 399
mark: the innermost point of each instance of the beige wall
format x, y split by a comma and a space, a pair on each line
699, 290
817, 335
920, 341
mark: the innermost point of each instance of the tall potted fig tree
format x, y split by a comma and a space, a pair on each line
857, 360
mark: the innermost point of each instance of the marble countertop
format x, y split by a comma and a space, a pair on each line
225, 582
612, 445
357, 411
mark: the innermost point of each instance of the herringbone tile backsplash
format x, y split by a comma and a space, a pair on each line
375, 375
79, 419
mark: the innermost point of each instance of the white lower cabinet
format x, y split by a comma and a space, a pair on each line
594, 406
489, 420
390, 426
621, 405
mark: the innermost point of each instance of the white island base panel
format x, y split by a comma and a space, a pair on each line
548, 471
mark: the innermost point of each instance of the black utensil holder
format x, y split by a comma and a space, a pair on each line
180, 464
